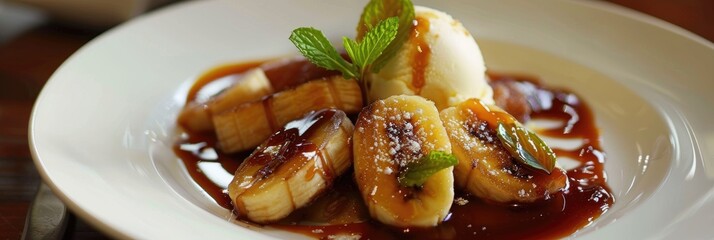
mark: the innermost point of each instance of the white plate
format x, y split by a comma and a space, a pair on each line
103, 126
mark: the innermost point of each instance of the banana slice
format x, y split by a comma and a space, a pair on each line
246, 126
485, 167
196, 117
390, 134
293, 166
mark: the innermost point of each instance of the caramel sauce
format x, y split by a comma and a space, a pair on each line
269, 114
190, 150
340, 210
484, 127
491, 116
285, 152
223, 75
283, 74
420, 54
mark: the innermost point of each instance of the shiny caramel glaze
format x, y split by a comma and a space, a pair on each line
420, 54
586, 198
296, 164
285, 144
389, 135
282, 73
486, 168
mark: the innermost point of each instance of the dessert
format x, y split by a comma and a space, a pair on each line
429, 155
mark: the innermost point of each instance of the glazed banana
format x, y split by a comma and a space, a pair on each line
485, 167
247, 125
390, 134
293, 166
196, 117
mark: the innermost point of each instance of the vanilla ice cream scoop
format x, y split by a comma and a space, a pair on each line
440, 61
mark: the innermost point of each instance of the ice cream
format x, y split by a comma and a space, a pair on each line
440, 61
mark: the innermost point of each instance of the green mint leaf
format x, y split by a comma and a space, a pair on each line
318, 50
379, 10
372, 45
416, 173
526, 147
353, 50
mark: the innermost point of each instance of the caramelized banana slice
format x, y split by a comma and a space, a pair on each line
246, 126
254, 85
390, 134
485, 167
293, 166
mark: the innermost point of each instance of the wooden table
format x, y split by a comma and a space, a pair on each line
27, 61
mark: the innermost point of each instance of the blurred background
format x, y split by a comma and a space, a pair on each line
36, 36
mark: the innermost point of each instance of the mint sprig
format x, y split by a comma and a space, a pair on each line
378, 10
372, 44
416, 173
383, 27
526, 147
313, 44
318, 50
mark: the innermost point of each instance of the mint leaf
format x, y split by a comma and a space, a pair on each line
416, 173
378, 10
381, 23
526, 147
318, 50
373, 44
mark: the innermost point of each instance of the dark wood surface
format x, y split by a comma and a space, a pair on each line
28, 59
26, 62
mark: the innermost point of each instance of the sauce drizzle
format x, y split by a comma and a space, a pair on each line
421, 54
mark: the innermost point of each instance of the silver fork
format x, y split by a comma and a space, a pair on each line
47, 217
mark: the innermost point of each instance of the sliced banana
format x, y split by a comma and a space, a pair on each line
485, 167
293, 166
246, 126
389, 134
196, 117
